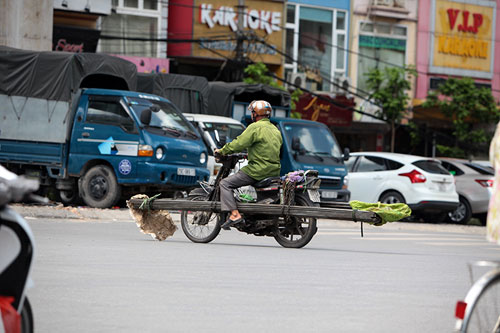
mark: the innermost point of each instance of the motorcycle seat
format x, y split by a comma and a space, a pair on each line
266, 182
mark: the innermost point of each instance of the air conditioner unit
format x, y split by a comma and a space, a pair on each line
296, 80
342, 85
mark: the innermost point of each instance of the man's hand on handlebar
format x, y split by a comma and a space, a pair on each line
217, 155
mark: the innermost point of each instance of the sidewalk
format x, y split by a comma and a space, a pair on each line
78, 213
123, 215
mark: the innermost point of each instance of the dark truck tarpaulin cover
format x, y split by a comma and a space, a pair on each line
56, 75
223, 94
189, 93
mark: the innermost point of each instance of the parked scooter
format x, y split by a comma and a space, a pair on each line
289, 231
16, 254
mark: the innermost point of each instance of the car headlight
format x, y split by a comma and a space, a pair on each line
159, 153
203, 158
346, 181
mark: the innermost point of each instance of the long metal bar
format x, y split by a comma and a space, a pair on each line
264, 209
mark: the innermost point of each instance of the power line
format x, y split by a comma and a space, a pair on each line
171, 3
321, 97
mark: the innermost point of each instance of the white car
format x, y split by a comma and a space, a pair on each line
474, 186
421, 182
215, 132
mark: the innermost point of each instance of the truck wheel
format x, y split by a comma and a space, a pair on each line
99, 188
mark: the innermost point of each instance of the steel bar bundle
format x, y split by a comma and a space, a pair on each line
265, 209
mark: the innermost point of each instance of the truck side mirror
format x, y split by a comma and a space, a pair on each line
347, 154
146, 116
295, 143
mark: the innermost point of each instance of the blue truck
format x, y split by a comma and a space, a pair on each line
95, 144
306, 144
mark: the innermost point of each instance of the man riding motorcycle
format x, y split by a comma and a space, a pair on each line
263, 142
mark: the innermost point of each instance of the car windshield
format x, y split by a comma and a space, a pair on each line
314, 141
223, 133
167, 117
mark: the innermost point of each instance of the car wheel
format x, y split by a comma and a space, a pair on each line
392, 197
462, 214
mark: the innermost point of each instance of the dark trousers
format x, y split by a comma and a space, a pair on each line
227, 185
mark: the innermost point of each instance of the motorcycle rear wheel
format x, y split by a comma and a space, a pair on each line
200, 227
298, 231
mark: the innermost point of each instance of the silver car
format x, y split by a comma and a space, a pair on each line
474, 186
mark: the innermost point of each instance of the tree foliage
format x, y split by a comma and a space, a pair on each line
390, 88
468, 107
259, 73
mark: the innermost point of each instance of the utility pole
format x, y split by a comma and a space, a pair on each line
240, 37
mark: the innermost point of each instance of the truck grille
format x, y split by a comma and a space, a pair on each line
330, 182
184, 180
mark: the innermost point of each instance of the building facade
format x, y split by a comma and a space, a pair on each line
456, 38
35, 32
317, 33
203, 35
383, 35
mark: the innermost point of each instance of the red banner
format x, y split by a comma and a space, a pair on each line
329, 111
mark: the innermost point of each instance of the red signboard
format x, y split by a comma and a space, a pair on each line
329, 111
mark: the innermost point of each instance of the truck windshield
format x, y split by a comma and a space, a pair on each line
223, 133
313, 144
167, 118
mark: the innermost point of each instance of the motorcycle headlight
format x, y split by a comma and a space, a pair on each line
159, 153
203, 158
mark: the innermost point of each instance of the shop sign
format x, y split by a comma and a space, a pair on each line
329, 111
74, 39
382, 42
463, 42
219, 18
254, 19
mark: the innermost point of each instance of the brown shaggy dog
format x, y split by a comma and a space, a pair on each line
156, 223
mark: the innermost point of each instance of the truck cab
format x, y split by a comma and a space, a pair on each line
142, 138
309, 145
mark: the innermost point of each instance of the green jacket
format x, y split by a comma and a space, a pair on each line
263, 143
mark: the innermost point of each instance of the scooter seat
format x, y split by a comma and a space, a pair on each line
266, 182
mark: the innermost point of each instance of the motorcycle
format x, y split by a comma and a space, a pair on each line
16, 254
287, 230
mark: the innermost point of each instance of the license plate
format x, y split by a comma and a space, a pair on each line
186, 172
329, 194
314, 195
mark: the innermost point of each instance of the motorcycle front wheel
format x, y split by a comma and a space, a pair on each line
200, 227
296, 232
27, 325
